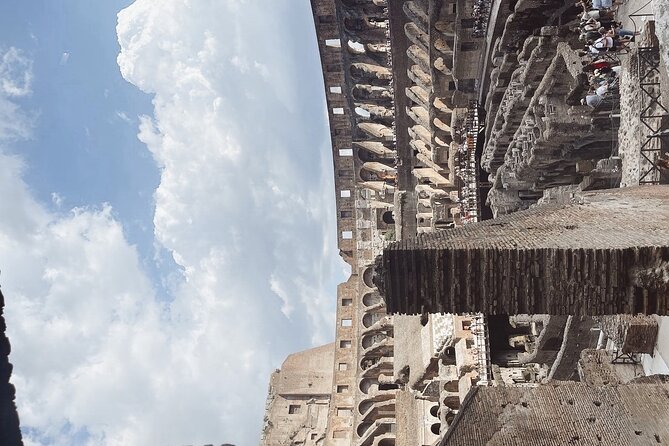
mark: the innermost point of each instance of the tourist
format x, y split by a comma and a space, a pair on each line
599, 64
605, 43
589, 36
617, 32
592, 100
602, 4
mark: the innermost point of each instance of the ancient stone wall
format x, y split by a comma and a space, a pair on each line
631, 333
298, 399
603, 254
564, 413
353, 45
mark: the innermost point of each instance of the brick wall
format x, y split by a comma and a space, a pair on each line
563, 413
594, 256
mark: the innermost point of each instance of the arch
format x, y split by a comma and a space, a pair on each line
452, 386
360, 70
369, 340
368, 276
366, 384
364, 92
366, 155
367, 362
362, 428
370, 319
364, 406
370, 299
435, 428
434, 411
374, 130
362, 112
452, 402
366, 175
387, 442
388, 218
355, 47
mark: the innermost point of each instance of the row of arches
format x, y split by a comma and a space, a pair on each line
377, 410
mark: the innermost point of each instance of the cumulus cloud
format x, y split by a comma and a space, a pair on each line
15, 73
15, 82
123, 117
245, 208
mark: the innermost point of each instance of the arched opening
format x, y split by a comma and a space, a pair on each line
451, 386
366, 384
362, 112
366, 175
364, 406
453, 402
434, 411
448, 360
363, 428
388, 218
362, 92
450, 416
369, 340
366, 362
366, 155
387, 442
367, 277
370, 299
435, 428
356, 47
370, 319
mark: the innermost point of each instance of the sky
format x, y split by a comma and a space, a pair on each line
168, 222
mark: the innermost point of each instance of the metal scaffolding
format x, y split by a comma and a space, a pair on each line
654, 116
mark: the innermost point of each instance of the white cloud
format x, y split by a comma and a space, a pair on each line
15, 73
15, 81
123, 117
56, 199
245, 208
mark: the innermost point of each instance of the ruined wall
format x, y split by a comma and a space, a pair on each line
605, 253
298, 399
564, 413
353, 45
631, 333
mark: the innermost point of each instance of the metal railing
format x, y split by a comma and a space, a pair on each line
654, 116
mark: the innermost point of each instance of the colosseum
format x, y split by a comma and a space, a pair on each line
507, 285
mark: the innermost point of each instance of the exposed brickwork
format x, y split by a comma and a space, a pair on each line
563, 413
632, 334
594, 256
595, 368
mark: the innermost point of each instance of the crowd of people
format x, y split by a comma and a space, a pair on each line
466, 170
603, 37
481, 15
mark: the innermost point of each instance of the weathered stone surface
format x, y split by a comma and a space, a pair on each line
561, 413
298, 398
601, 254
632, 334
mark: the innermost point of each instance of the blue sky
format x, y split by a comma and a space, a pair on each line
169, 229
85, 143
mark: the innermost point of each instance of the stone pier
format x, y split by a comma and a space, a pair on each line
599, 253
